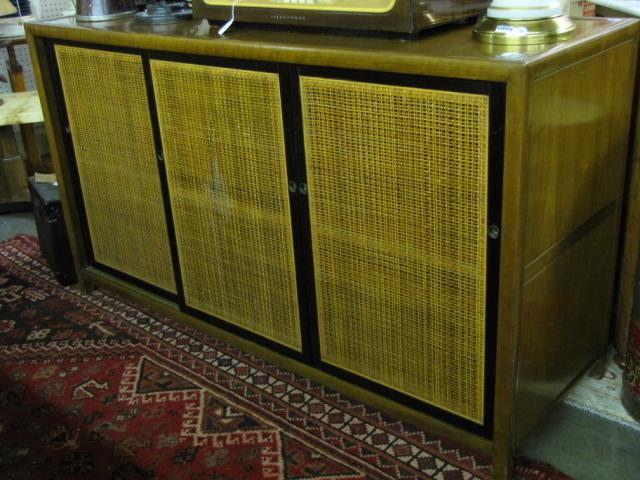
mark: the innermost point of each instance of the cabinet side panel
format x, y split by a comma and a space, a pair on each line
223, 139
565, 323
105, 96
579, 137
398, 203
579, 131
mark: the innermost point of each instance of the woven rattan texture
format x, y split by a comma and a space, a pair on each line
398, 200
223, 139
106, 101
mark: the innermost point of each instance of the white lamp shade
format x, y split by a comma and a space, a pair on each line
524, 9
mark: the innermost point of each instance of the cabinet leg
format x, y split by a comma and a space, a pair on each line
503, 468
86, 287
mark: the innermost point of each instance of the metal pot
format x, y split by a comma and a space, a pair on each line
101, 10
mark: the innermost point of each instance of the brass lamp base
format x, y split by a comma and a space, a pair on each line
523, 32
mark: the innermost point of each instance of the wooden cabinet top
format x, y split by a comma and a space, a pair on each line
448, 51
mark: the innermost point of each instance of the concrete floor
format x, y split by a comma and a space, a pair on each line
12, 224
578, 443
585, 446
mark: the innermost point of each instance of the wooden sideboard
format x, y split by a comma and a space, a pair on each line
428, 225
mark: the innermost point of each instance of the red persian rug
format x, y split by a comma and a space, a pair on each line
94, 387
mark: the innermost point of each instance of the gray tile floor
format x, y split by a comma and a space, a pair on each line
582, 445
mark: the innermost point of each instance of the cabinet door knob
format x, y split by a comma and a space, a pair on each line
293, 186
494, 232
303, 188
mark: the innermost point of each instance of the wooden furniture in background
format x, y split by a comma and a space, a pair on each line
23, 109
15, 109
16, 77
14, 193
430, 226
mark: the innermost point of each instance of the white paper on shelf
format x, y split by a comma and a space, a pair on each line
631, 7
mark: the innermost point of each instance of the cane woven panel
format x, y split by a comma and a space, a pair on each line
223, 139
106, 101
398, 201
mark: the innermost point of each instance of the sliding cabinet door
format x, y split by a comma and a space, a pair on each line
115, 158
398, 195
223, 140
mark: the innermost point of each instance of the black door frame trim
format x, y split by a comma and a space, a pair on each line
299, 205
75, 176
